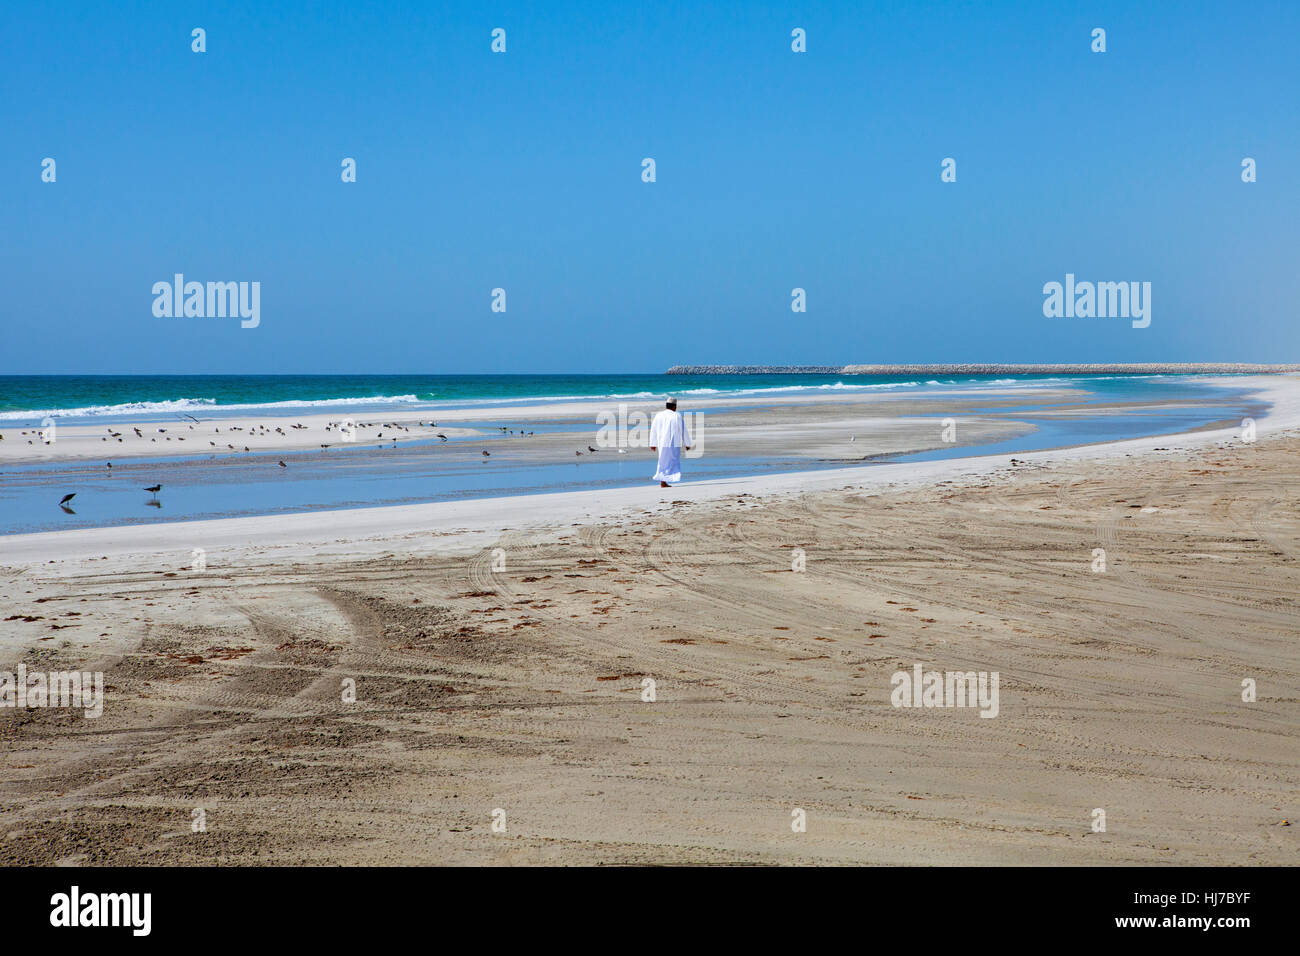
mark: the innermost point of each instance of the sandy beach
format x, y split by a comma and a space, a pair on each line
627, 443
800, 425
499, 651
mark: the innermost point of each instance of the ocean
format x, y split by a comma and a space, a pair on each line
77, 398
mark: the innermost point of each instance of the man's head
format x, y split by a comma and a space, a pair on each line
671, 404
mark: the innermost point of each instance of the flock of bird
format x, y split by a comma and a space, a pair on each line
343, 428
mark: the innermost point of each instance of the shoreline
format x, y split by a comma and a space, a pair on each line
85, 442
462, 526
1102, 368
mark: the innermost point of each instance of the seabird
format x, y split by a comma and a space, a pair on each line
154, 489
486, 454
590, 449
283, 465
66, 498
442, 436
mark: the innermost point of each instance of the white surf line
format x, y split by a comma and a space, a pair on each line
466, 526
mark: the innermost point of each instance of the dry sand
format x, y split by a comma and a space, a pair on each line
520, 688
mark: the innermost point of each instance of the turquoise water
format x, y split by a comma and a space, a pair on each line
28, 398
85, 396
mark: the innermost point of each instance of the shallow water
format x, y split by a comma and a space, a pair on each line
203, 486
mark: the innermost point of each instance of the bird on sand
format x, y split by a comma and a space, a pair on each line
590, 449
66, 498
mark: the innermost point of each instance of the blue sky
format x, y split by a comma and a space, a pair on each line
522, 170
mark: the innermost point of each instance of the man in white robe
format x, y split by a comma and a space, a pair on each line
668, 436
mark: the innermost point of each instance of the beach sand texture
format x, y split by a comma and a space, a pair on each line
520, 687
